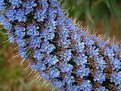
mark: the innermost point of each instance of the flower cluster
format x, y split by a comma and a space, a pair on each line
59, 50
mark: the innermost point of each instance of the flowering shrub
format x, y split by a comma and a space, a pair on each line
59, 50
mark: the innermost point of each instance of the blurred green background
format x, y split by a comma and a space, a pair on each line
101, 16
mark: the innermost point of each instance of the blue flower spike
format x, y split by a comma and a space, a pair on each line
62, 53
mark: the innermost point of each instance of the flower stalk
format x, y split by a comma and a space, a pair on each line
59, 50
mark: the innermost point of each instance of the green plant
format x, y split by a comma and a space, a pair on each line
94, 11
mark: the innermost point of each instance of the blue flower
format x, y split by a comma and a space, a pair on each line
85, 85
47, 48
101, 44
113, 77
118, 88
73, 88
88, 41
15, 3
100, 63
2, 5
52, 13
63, 32
51, 60
75, 36
37, 67
20, 15
19, 31
93, 51
5, 22
54, 72
11, 38
45, 76
54, 4
21, 42
10, 14
79, 46
83, 71
58, 84
64, 42
101, 88
116, 78
68, 79
109, 52
35, 42
40, 15
99, 77
116, 64
59, 50
37, 54
44, 4
29, 6
81, 60
33, 30
22, 52
66, 67
115, 47
66, 55
47, 34
40, 67
119, 78
69, 25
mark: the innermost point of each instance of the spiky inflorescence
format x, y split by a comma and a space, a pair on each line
59, 50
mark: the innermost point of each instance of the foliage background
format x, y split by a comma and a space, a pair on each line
101, 16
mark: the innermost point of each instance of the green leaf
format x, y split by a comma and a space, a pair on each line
114, 8
106, 23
